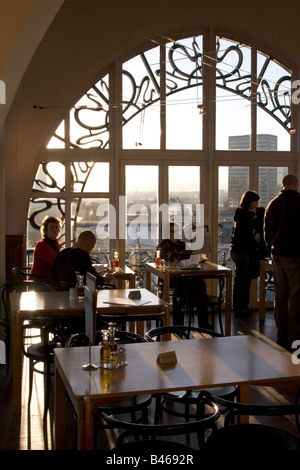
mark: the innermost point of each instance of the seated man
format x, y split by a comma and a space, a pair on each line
76, 259
189, 292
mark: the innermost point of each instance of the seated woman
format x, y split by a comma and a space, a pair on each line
46, 249
192, 288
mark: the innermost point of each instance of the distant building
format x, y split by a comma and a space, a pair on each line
239, 176
265, 142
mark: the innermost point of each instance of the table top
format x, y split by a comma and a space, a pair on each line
59, 303
207, 268
201, 363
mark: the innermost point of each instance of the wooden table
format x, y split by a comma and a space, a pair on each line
265, 266
57, 304
201, 363
126, 274
209, 270
121, 275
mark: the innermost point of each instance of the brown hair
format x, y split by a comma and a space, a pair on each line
248, 197
46, 221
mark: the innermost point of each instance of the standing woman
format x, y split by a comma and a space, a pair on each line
243, 250
47, 248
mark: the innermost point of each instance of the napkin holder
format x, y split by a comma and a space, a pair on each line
167, 359
134, 295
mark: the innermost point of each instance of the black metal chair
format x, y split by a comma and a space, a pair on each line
129, 405
6, 289
192, 297
37, 342
186, 398
147, 439
252, 436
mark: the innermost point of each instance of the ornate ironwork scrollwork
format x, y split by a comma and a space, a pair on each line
269, 96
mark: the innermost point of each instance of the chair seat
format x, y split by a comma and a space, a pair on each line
251, 437
127, 404
164, 451
192, 396
37, 351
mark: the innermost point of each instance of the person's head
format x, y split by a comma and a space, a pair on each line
174, 231
51, 227
289, 182
249, 200
86, 241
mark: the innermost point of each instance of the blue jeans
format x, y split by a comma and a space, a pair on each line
287, 297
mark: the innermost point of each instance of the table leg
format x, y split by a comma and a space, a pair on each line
16, 362
244, 398
228, 304
60, 412
148, 280
132, 282
262, 292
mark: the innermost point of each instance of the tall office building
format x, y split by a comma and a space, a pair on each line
239, 175
265, 142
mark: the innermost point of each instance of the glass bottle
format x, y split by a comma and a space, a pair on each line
105, 351
80, 287
116, 259
157, 258
112, 337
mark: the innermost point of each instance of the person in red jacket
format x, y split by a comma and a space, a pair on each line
47, 248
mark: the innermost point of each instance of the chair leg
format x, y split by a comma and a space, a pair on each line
30, 383
157, 411
47, 385
220, 320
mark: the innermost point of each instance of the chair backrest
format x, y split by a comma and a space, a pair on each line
21, 273
21, 286
202, 422
121, 337
179, 332
231, 409
91, 281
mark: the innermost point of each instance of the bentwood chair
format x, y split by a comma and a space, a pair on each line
37, 341
156, 439
131, 405
6, 290
252, 436
184, 398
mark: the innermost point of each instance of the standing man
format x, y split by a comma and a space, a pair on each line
282, 235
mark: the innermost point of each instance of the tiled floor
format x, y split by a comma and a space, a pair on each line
24, 433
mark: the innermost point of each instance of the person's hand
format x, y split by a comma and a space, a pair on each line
108, 276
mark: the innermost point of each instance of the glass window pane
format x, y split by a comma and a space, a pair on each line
184, 121
233, 182
50, 177
184, 192
142, 207
184, 94
268, 129
233, 92
269, 183
233, 120
90, 177
141, 101
273, 98
92, 214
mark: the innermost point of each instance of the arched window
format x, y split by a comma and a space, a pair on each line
181, 103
